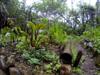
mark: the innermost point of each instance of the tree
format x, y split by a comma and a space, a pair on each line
98, 12
83, 17
12, 6
3, 15
51, 9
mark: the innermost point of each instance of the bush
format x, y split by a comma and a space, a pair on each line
94, 36
57, 34
37, 57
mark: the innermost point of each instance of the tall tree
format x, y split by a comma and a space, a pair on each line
51, 8
98, 12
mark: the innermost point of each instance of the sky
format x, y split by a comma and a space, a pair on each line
69, 2
75, 2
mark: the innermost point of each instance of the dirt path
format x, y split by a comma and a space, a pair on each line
88, 65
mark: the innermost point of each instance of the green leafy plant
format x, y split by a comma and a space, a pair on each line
93, 35
57, 34
36, 34
34, 61
7, 36
30, 58
37, 57
77, 70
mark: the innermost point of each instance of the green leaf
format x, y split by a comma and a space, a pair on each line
34, 61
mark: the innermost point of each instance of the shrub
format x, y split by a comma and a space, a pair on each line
93, 35
36, 57
57, 34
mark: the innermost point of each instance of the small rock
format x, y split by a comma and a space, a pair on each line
2, 51
14, 71
14, 53
1, 72
10, 60
24, 69
2, 63
25, 72
65, 69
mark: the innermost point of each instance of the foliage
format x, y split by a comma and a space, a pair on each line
31, 29
52, 67
93, 35
31, 60
14, 35
37, 36
6, 36
22, 43
47, 8
57, 34
74, 41
12, 7
35, 27
77, 70
39, 56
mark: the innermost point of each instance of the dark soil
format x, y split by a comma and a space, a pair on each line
88, 66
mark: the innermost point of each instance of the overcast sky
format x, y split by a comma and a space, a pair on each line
69, 2
75, 2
